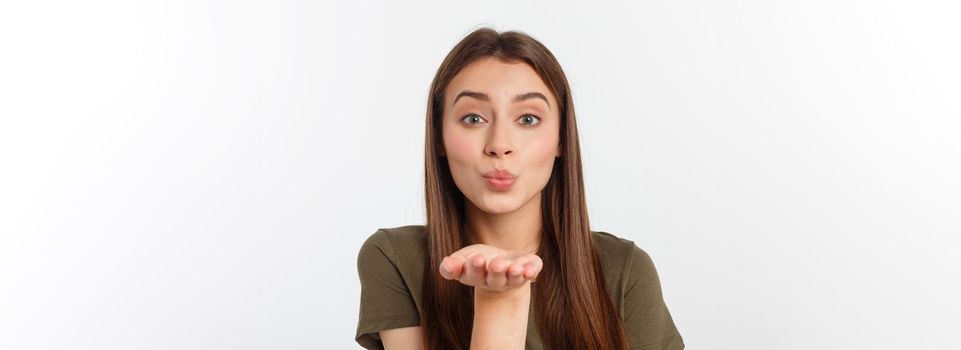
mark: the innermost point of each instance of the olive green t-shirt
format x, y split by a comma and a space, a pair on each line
391, 262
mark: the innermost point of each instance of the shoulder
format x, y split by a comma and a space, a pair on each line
624, 263
402, 246
397, 237
390, 266
636, 290
615, 248
625, 252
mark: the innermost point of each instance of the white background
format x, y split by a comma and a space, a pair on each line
201, 174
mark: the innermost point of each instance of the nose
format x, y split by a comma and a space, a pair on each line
499, 144
498, 151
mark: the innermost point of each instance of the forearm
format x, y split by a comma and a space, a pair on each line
500, 319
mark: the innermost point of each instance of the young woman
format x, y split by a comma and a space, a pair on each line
505, 208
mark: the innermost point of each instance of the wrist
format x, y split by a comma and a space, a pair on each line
501, 318
520, 293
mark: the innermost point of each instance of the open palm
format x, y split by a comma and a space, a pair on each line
491, 268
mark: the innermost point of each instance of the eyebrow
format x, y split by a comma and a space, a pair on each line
483, 97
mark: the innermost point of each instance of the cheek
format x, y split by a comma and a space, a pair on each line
544, 148
457, 145
541, 156
461, 153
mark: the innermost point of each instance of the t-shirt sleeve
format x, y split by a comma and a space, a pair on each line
646, 318
385, 299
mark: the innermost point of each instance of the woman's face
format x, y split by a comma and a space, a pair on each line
500, 116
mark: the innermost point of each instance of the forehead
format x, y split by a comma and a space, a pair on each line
499, 79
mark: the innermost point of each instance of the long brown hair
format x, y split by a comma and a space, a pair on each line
572, 307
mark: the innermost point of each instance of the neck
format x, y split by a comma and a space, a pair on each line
519, 230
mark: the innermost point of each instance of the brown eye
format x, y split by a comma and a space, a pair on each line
471, 119
530, 120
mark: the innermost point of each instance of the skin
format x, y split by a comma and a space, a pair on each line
484, 133
480, 134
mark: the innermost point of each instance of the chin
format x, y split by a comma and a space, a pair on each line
498, 205
499, 209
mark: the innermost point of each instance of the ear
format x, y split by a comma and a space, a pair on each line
559, 151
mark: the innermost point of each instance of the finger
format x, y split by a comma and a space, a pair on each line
532, 265
452, 267
496, 273
515, 274
476, 270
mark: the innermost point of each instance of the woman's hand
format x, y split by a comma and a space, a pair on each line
490, 268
